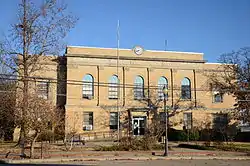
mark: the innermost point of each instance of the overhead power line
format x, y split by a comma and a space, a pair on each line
102, 84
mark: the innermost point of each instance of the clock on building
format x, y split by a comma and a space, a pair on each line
138, 50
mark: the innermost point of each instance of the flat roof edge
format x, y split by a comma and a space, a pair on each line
198, 53
135, 58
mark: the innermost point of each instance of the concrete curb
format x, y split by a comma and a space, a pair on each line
121, 158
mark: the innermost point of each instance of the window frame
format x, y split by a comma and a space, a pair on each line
113, 87
139, 88
89, 122
220, 120
215, 98
114, 119
186, 88
88, 87
160, 88
44, 92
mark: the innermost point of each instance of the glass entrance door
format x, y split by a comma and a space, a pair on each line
139, 125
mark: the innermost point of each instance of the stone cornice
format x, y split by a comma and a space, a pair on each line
136, 58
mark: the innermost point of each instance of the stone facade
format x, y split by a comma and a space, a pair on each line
96, 111
101, 64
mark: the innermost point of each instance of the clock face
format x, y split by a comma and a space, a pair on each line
138, 50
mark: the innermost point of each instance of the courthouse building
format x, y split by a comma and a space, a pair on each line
103, 83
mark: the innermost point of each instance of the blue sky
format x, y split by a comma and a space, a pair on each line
212, 26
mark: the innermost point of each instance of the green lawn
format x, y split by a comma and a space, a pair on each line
232, 146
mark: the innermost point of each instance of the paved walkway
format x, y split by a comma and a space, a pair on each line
175, 154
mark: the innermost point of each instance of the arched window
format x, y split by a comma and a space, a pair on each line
88, 87
185, 88
162, 83
113, 87
138, 88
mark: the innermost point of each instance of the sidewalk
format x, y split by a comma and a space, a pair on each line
133, 155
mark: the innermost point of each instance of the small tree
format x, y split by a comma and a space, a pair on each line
71, 130
40, 116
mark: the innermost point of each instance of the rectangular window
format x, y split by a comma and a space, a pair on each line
217, 98
187, 120
87, 90
113, 124
161, 93
138, 92
113, 91
185, 92
43, 90
220, 120
88, 121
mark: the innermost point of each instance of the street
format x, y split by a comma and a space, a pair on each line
151, 162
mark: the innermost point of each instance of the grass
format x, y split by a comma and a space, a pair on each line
235, 147
243, 145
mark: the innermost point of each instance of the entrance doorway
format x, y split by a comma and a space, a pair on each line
139, 124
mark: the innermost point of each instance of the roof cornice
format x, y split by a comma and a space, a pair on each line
135, 58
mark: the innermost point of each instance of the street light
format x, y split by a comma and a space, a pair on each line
165, 92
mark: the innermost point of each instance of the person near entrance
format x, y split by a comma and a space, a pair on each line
136, 128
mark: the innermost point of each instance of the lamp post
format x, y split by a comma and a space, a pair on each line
165, 91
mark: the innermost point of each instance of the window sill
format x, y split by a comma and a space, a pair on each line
186, 99
88, 98
217, 102
139, 99
113, 98
163, 99
113, 129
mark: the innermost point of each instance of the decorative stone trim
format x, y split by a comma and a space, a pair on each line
174, 70
72, 66
101, 67
151, 69
199, 71
126, 68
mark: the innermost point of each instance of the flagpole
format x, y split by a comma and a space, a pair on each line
117, 71
165, 44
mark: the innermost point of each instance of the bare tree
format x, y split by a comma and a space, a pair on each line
151, 103
38, 31
234, 79
155, 103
